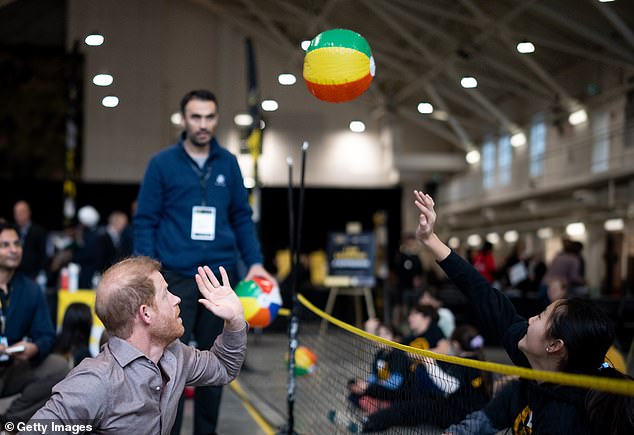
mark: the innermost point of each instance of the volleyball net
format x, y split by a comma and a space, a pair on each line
349, 381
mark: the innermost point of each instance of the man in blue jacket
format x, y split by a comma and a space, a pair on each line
27, 336
193, 210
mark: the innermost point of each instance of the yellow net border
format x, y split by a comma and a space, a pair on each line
617, 386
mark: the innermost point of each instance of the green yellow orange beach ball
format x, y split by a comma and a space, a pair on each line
305, 361
338, 66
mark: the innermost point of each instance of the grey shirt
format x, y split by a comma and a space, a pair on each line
122, 391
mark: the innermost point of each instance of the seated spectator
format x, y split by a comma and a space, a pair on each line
33, 238
27, 366
424, 331
388, 377
446, 319
110, 241
73, 341
459, 390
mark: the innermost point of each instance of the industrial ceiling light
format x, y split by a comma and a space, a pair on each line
175, 119
110, 101
286, 79
425, 108
474, 240
511, 236
270, 105
357, 126
102, 80
525, 47
469, 82
453, 242
493, 238
473, 157
94, 39
518, 139
578, 117
243, 120
613, 224
576, 229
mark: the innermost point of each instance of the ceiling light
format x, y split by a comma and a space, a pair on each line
469, 82
262, 124
493, 238
545, 233
425, 108
613, 224
518, 139
243, 119
605, 1
286, 79
511, 236
357, 126
102, 80
474, 240
176, 118
575, 229
472, 157
110, 101
578, 117
525, 47
94, 39
453, 242
305, 44
270, 105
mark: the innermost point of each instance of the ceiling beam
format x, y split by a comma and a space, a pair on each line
263, 17
441, 66
582, 30
616, 21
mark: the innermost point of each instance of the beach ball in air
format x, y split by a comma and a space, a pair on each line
305, 360
261, 300
338, 66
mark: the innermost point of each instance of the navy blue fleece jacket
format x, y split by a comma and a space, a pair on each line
170, 188
28, 316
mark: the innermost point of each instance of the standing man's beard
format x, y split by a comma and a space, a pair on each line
193, 138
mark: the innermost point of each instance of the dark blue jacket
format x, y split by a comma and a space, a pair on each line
171, 187
28, 315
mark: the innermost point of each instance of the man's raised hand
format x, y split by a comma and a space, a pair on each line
220, 299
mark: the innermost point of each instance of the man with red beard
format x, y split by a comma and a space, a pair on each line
134, 384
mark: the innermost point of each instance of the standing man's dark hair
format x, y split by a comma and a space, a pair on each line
193, 210
200, 94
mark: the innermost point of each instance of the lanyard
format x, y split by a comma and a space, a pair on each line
203, 177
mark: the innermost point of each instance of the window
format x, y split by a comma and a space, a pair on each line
537, 146
505, 160
600, 142
488, 164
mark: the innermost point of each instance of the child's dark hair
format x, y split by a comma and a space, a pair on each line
427, 311
608, 412
76, 328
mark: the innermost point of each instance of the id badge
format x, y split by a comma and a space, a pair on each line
203, 223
